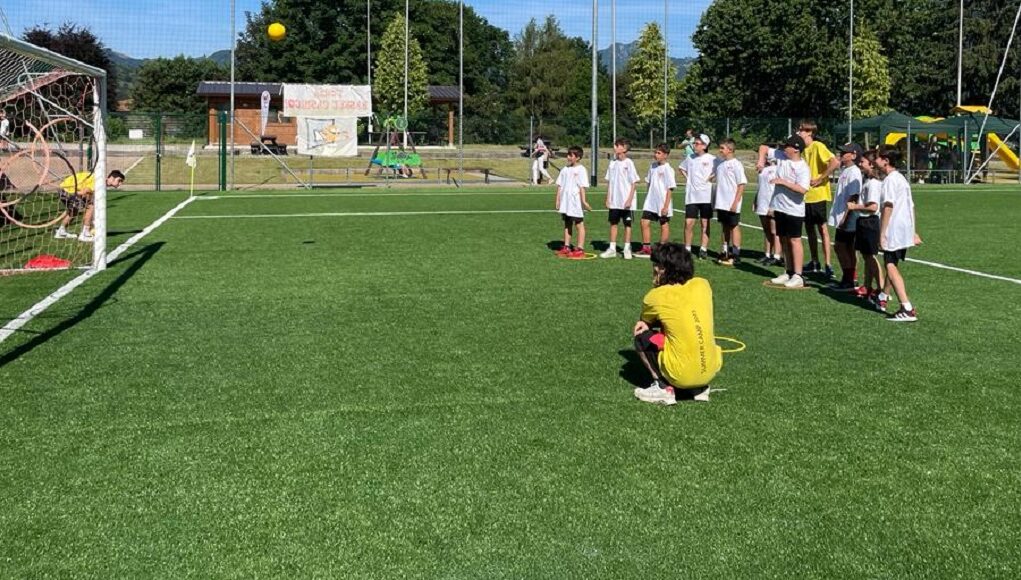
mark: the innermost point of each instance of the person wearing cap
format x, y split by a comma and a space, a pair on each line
897, 231
849, 189
792, 181
698, 169
771, 254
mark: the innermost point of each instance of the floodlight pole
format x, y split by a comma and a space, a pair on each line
595, 88
406, 33
850, 76
960, 51
613, 62
460, 94
233, 44
368, 51
666, 66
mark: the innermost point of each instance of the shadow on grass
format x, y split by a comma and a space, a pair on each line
633, 371
138, 259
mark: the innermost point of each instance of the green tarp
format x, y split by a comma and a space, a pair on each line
894, 122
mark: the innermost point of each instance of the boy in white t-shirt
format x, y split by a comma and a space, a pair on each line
897, 231
771, 253
571, 185
622, 181
697, 170
866, 235
849, 189
730, 184
793, 178
659, 204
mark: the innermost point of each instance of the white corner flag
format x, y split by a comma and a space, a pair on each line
192, 162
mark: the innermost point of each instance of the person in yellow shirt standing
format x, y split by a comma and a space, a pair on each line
76, 195
674, 336
821, 163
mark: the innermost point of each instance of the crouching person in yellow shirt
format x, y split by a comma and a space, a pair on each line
674, 336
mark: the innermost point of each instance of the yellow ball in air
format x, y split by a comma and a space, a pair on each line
276, 31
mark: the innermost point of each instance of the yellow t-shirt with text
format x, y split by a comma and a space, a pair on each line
690, 356
818, 156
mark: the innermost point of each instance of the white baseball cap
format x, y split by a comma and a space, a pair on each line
704, 139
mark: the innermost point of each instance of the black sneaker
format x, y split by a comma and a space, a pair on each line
703, 254
811, 267
903, 316
829, 272
737, 260
764, 260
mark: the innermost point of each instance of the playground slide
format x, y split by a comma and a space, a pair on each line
1008, 156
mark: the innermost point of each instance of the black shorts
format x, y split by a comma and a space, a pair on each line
698, 210
815, 213
866, 236
788, 226
895, 256
845, 237
571, 220
655, 217
728, 218
73, 203
621, 215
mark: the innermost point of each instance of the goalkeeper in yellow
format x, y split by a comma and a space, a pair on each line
674, 337
76, 195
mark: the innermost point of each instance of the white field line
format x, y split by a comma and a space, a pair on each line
932, 264
134, 165
363, 214
41, 306
551, 193
523, 211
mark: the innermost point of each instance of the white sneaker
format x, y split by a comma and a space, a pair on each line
703, 397
657, 395
63, 235
627, 251
85, 237
796, 281
610, 252
782, 279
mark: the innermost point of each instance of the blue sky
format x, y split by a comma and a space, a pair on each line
151, 28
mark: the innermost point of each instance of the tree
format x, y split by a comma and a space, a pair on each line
872, 77
389, 77
647, 80
326, 44
79, 43
545, 76
168, 84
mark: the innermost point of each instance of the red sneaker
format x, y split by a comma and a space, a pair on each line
577, 254
645, 251
861, 292
564, 252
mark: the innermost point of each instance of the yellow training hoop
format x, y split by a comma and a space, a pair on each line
740, 345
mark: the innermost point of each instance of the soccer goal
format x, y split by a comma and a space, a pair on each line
52, 160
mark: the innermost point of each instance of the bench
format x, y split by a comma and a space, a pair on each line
268, 144
483, 170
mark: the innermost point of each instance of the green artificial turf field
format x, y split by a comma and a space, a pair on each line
384, 384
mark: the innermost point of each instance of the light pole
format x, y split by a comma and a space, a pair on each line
595, 88
850, 75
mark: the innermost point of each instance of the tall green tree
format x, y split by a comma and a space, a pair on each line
79, 43
652, 92
872, 77
326, 43
168, 84
545, 66
389, 78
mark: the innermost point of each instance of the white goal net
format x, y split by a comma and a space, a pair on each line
52, 160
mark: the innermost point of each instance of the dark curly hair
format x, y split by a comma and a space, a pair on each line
674, 262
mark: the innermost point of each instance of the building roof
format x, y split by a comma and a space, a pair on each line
438, 94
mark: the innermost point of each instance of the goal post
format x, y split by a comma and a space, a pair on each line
52, 160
